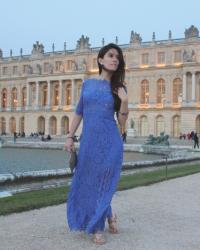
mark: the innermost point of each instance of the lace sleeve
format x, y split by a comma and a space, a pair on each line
79, 107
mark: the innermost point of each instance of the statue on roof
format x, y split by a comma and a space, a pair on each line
135, 37
83, 43
191, 32
38, 48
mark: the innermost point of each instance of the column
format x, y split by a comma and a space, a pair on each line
193, 87
37, 96
184, 87
73, 92
48, 94
60, 93
28, 96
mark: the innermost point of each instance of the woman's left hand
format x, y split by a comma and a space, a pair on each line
122, 94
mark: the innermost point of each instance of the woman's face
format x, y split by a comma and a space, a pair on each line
110, 60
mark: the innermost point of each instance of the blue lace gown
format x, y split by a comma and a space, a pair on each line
100, 159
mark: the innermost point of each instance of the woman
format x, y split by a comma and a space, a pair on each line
101, 148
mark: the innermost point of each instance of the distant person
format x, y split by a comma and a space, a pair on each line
14, 137
196, 140
48, 137
192, 135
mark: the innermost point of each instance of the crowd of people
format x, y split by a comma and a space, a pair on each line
191, 136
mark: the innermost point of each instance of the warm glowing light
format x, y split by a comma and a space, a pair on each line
161, 65
94, 71
144, 66
178, 64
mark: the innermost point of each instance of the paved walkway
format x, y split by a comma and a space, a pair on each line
163, 216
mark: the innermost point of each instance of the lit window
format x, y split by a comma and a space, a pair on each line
145, 59
161, 57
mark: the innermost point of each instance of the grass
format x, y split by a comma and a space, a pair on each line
54, 196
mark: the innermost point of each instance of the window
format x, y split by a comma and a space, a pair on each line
161, 58
5, 70
14, 98
144, 99
4, 98
46, 67
177, 90
68, 94
15, 69
160, 90
58, 65
23, 100
69, 64
145, 59
25, 69
177, 56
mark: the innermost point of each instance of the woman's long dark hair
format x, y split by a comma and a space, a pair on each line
117, 79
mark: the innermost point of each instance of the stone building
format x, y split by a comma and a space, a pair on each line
39, 92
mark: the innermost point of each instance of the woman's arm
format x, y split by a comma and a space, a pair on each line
123, 113
74, 124
69, 146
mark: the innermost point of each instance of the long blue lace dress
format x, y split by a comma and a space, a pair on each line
100, 159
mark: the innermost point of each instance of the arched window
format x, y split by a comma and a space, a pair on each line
44, 95
56, 95
21, 125
53, 125
23, 100
143, 126
160, 91
144, 99
176, 126
160, 125
12, 125
2, 125
68, 94
177, 90
14, 98
41, 124
33, 94
4, 98
64, 125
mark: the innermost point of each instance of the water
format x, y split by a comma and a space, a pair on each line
15, 160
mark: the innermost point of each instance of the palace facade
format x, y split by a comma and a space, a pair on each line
39, 92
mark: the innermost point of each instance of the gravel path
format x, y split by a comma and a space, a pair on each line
163, 216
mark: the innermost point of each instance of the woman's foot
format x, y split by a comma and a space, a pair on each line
99, 238
112, 223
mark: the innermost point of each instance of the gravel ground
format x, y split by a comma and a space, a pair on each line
162, 216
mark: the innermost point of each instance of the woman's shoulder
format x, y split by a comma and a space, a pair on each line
91, 79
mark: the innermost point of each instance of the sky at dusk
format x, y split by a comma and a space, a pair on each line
23, 22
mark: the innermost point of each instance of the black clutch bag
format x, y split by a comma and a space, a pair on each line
73, 160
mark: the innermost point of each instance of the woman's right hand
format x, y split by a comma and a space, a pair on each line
69, 146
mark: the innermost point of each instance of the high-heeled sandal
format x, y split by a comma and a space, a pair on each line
112, 222
99, 239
